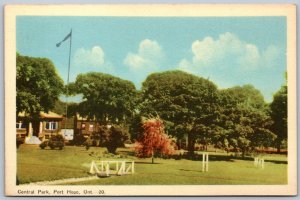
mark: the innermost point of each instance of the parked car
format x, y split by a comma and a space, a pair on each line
56, 141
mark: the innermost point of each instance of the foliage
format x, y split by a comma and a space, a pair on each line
279, 115
19, 141
56, 141
38, 87
78, 139
243, 121
38, 84
112, 137
60, 108
154, 141
105, 97
186, 103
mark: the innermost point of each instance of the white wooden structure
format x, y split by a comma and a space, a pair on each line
259, 162
114, 167
205, 162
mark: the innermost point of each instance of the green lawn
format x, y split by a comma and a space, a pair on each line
34, 164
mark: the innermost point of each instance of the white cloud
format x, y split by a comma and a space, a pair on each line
93, 57
228, 48
229, 61
87, 60
148, 57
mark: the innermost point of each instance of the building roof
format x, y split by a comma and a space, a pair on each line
49, 115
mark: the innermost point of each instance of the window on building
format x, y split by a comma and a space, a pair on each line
83, 126
20, 125
51, 125
91, 127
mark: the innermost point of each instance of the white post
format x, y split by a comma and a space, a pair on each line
107, 169
206, 162
263, 163
30, 130
92, 171
41, 128
203, 158
132, 167
117, 166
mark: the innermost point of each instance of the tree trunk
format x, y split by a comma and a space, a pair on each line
278, 148
35, 128
152, 157
191, 144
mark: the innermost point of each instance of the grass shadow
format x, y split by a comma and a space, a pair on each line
187, 170
139, 162
277, 161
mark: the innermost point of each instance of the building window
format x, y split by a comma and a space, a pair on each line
51, 125
83, 126
20, 125
91, 127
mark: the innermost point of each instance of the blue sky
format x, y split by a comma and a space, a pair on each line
229, 51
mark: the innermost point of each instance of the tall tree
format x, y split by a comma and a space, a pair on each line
243, 120
279, 115
38, 87
185, 102
105, 98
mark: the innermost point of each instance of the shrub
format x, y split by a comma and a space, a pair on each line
78, 139
44, 144
19, 141
56, 141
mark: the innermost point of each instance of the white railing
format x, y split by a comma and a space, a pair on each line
108, 167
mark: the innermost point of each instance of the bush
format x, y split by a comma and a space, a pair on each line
78, 139
44, 144
56, 141
114, 137
19, 141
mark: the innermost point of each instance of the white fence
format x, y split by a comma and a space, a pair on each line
107, 168
259, 162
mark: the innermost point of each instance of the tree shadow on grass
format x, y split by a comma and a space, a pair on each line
139, 162
213, 158
187, 170
277, 161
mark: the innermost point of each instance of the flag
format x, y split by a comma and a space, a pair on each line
68, 36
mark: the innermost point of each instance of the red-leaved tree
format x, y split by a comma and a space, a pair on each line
154, 141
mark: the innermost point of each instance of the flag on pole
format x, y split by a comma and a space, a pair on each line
68, 36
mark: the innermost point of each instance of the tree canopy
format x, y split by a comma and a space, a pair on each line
105, 97
154, 141
38, 87
243, 122
279, 115
38, 84
185, 102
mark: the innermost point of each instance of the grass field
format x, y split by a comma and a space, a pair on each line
34, 164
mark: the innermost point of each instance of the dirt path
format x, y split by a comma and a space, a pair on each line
64, 181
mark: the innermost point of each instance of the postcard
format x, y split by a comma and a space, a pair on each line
150, 100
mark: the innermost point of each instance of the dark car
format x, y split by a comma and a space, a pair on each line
56, 141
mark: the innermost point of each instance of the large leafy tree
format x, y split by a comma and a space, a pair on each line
106, 98
279, 115
186, 103
38, 87
243, 121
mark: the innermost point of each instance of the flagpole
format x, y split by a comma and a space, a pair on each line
67, 94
